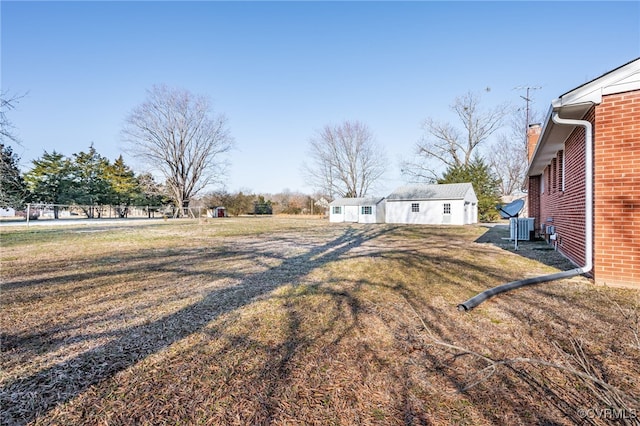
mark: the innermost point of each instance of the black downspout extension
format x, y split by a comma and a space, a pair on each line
478, 299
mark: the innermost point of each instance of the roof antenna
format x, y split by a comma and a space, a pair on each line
527, 99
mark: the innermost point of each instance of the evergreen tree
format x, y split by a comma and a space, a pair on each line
262, 206
125, 189
13, 190
49, 180
91, 187
485, 184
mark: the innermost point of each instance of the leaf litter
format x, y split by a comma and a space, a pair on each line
294, 321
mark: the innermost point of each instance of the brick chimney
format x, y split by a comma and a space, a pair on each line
533, 134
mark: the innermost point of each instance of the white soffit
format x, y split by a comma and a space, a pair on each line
622, 79
574, 105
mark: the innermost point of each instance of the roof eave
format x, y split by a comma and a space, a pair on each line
618, 80
574, 105
357, 201
553, 136
425, 199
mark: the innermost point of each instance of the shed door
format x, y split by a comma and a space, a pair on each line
350, 213
446, 213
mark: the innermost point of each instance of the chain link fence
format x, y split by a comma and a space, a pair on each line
44, 212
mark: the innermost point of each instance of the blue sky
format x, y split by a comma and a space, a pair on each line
280, 71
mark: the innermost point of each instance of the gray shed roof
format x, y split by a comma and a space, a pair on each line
445, 191
371, 201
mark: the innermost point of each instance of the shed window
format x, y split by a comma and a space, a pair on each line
337, 210
447, 208
415, 207
367, 210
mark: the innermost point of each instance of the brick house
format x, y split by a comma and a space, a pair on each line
559, 184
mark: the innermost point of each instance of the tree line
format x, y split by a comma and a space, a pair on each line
174, 132
346, 161
86, 179
245, 202
89, 180
177, 134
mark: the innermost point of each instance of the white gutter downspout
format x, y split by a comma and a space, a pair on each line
588, 250
588, 186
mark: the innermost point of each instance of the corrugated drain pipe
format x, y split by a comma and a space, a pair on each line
588, 250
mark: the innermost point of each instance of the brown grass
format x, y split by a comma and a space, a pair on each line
292, 321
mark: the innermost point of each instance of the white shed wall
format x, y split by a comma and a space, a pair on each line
376, 216
470, 213
380, 211
431, 212
351, 213
368, 218
354, 214
336, 217
7, 212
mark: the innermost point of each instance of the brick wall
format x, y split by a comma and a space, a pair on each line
617, 190
558, 200
533, 182
562, 201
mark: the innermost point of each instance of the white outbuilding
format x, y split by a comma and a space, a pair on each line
360, 210
7, 212
438, 204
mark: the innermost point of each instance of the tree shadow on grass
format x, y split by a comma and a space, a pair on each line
26, 398
272, 384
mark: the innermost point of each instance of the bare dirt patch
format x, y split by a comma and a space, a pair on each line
288, 321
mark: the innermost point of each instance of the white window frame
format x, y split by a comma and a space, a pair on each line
446, 208
561, 154
415, 207
366, 210
337, 210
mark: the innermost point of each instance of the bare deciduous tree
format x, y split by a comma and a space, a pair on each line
177, 132
13, 191
509, 162
346, 160
7, 103
447, 145
508, 156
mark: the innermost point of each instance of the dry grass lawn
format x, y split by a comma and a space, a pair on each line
298, 321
